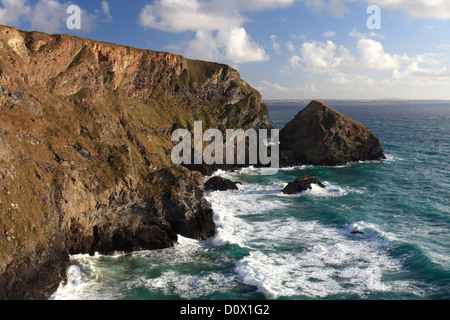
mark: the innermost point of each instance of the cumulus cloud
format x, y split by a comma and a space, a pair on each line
322, 57
218, 26
46, 15
327, 56
239, 47
13, 10
189, 15
370, 58
373, 56
234, 45
436, 9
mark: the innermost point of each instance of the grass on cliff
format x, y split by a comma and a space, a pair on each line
200, 71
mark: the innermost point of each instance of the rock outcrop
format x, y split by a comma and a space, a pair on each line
319, 135
85, 143
302, 184
220, 184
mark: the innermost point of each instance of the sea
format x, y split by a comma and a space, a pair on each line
380, 230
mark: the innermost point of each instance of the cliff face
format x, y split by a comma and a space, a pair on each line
85, 131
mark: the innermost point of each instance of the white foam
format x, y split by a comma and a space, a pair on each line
328, 265
392, 158
330, 190
294, 168
294, 258
189, 286
288, 257
81, 280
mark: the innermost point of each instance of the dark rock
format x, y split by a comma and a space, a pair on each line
132, 222
38, 276
220, 184
302, 184
319, 135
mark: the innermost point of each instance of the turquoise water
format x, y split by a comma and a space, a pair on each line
273, 246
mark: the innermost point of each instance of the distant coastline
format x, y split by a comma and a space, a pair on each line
330, 101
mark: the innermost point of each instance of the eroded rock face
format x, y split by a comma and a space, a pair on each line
124, 219
319, 135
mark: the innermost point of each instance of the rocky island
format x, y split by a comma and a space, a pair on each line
320, 135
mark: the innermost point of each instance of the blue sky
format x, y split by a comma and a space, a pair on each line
287, 49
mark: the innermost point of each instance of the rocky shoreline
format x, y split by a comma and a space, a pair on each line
85, 150
85, 144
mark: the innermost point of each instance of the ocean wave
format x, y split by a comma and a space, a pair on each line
188, 287
329, 264
293, 258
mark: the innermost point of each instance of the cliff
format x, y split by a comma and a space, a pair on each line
85, 143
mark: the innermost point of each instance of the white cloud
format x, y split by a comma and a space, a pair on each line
322, 57
435, 9
47, 15
290, 46
239, 47
298, 36
370, 70
275, 44
218, 27
443, 46
351, 78
189, 15
329, 34
327, 56
295, 62
106, 8
337, 8
359, 35
272, 90
415, 70
373, 56
203, 47
51, 16
257, 5
12, 11
233, 45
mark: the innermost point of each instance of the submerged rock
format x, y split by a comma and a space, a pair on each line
319, 135
220, 184
302, 184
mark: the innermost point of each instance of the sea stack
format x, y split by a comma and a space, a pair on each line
319, 135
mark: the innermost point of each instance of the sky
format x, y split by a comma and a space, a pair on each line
286, 49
